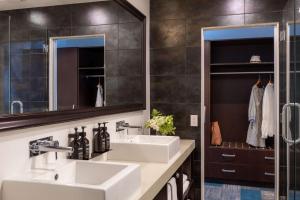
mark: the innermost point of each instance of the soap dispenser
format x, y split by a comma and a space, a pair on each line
75, 144
107, 137
84, 144
98, 140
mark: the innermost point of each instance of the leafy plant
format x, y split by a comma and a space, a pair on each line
160, 123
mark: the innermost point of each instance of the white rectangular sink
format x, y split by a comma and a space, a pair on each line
144, 148
77, 180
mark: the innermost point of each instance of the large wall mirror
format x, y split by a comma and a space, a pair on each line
64, 62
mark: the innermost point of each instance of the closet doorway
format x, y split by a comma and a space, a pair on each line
240, 111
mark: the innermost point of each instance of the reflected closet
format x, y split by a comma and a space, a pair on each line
235, 60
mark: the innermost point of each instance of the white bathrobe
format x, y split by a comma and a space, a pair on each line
268, 126
254, 137
99, 100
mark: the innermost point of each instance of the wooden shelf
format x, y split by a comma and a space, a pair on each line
239, 145
241, 64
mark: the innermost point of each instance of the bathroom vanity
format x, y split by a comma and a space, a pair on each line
104, 178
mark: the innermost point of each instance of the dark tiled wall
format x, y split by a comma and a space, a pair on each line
176, 52
31, 28
4, 62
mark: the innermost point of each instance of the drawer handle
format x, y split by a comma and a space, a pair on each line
228, 155
269, 174
228, 171
269, 158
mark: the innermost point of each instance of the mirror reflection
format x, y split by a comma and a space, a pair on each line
77, 72
66, 57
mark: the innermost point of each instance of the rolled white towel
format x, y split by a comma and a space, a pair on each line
172, 189
185, 178
186, 184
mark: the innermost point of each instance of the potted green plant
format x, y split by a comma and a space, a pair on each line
162, 124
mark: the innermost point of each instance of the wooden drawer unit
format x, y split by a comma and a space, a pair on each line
261, 173
220, 155
261, 157
245, 165
226, 171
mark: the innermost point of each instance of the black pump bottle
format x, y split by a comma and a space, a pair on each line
84, 144
75, 144
98, 140
107, 137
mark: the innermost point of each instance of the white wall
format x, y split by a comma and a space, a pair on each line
14, 153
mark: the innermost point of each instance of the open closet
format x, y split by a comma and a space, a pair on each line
84, 70
239, 83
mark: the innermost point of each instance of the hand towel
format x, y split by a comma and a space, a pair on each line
99, 100
172, 189
186, 184
185, 178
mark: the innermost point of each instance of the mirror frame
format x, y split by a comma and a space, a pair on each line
10, 122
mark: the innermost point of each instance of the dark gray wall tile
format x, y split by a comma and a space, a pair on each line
130, 63
19, 19
194, 26
123, 90
123, 63
50, 17
256, 6
263, 17
207, 8
193, 89
193, 55
19, 89
166, 89
189, 133
111, 62
168, 61
130, 36
20, 66
90, 14
169, 33
56, 32
38, 65
38, 89
166, 9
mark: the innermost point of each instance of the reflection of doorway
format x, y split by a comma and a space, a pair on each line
227, 80
77, 72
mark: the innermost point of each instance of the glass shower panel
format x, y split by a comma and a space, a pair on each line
29, 82
290, 104
4, 64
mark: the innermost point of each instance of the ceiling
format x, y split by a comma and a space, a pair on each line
18, 4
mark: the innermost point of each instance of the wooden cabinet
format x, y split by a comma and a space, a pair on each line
229, 78
185, 168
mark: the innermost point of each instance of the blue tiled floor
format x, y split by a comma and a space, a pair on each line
294, 196
215, 191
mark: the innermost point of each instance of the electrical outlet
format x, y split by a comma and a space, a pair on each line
194, 120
